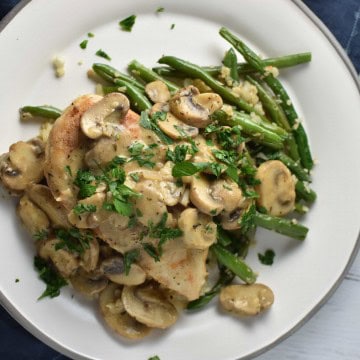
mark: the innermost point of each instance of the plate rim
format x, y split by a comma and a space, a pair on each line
24, 322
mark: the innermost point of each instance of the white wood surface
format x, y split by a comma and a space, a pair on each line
333, 333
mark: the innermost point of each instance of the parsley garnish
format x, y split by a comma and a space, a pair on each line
129, 258
41, 235
90, 35
54, 282
267, 258
127, 23
160, 9
152, 251
150, 123
141, 154
83, 208
163, 233
73, 240
83, 44
68, 170
179, 153
135, 176
188, 168
247, 221
17, 280
103, 54
154, 358
172, 26
85, 181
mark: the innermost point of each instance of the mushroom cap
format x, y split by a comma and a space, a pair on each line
114, 314
94, 122
88, 283
276, 189
157, 91
246, 299
194, 108
41, 196
65, 262
200, 196
34, 219
199, 229
177, 129
22, 165
149, 306
114, 269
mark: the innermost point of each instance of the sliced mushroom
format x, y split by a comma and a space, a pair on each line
246, 299
277, 188
149, 306
185, 198
177, 129
90, 257
94, 123
228, 192
114, 314
201, 196
230, 220
157, 91
88, 283
85, 220
42, 197
23, 165
199, 229
205, 151
65, 262
34, 219
151, 204
194, 108
114, 269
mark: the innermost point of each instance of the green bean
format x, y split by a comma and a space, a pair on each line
303, 192
148, 75
110, 89
138, 100
44, 111
195, 71
244, 68
115, 74
286, 104
294, 166
270, 104
281, 225
234, 263
230, 61
255, 131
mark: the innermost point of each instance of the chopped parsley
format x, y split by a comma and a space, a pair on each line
188, 168
73, 240
247, 221
178, 155
129, 258
141, 154
83, 44
84, 208
127, 23
172, 26
103, 54
160, 10
17, 280
68, 170
267, 258
90, 35
54, 282
154, 358
152, 251
86, 182
41, 235
135, 176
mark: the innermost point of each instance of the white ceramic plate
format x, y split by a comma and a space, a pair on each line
325, 94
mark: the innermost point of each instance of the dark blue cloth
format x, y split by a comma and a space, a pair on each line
343, 20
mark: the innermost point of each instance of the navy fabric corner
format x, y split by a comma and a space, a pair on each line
343, 20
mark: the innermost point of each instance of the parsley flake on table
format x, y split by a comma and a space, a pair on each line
83, 44
127, 23
160, 10
267, 258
